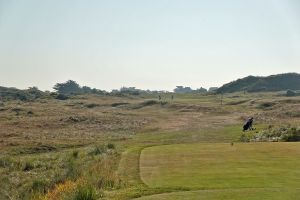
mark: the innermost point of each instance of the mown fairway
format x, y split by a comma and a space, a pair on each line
223, 171
230, 194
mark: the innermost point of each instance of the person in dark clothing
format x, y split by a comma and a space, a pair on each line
248, 124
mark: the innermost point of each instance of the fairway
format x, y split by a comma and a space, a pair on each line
266, 170
230, 194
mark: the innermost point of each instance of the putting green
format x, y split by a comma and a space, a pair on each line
219, 166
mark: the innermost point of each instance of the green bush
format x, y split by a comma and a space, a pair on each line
22, 95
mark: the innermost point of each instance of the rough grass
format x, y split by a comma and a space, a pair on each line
223, 166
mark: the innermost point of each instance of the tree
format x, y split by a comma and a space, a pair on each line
69, 87
35, 92
181, 89
201, 90
86, 89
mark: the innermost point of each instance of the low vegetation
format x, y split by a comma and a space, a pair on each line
88, 146
273, 134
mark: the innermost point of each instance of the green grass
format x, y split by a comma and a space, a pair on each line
238, 194
223, 166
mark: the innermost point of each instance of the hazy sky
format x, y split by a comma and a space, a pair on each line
150, 44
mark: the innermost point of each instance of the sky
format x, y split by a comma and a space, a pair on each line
148, 44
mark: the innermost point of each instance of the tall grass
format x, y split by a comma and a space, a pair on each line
85, 192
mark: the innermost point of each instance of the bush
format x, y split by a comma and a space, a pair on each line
111, 146
22, 95
285, 134
85, 192
62, 97
69, 87
290, 93
292, 135
75, 153
244, 138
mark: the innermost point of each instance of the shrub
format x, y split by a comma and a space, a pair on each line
244, 138
285, 134
22, 95
292, 135
290, 93
62, 97
111, 146
75, 153
85, 192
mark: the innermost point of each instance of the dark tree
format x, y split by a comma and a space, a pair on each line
69, 87
86, 89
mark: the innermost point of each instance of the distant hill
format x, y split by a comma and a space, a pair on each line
257, 84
